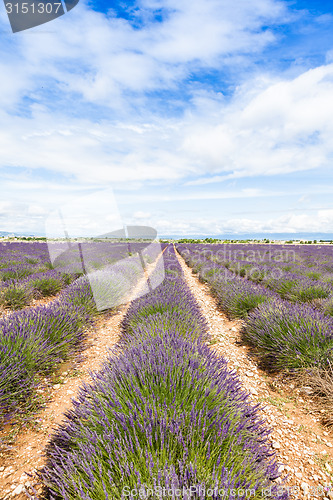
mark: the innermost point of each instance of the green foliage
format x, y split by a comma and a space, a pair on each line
242, 305
16, 274
68, 278
47, 286
308, 294
294, 291
290, 335
31, 260
15, 297
314, 275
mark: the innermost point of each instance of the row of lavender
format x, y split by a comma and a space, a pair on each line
26, 271
289, 333
164, 417
19, 259
33, 341
296, 274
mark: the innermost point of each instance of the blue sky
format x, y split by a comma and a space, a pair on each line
194, 117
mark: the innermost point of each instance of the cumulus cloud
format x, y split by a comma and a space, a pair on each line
284, 128
100, 57
49, 76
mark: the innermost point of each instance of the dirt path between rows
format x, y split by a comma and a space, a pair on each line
304, 448
18, 467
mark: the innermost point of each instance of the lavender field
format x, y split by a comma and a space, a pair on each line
284, 296
35, 340
165, 412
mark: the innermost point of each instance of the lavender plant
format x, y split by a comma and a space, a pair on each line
299, 289
47, 286
290, 335
16, 296
236, 296
35, 341
173, 302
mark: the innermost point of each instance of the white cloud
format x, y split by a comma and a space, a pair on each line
115, 64
291, 223
141, 215
100, 57
36, 210
286, 127
322, 221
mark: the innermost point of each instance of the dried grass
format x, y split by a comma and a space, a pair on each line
321, 382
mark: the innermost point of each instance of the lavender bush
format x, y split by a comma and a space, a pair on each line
35, 341
238, 297
47, 286
16, 296
299, 288
290, 335
172, 302
324, 305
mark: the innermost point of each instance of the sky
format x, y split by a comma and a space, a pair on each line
210, 117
